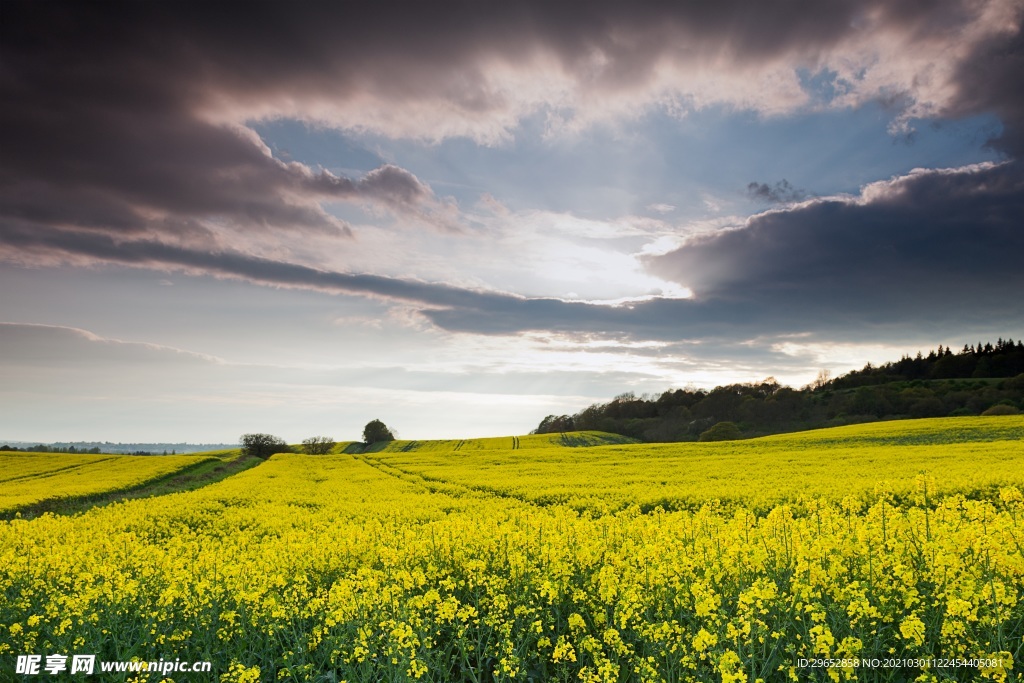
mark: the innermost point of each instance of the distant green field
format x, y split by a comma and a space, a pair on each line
497, 443
29, 478
968, 455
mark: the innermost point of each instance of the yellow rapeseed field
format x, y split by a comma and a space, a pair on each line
27, 478
361, 568
968, 455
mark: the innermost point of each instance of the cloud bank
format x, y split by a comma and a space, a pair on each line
123, 139
406, 69
930, 249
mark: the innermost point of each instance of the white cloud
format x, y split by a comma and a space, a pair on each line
661, 208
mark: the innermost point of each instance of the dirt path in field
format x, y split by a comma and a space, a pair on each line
188, 479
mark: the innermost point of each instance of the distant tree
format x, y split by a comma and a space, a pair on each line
318, 445
722, 431
375, 431
263, 445
562, 423
821, 381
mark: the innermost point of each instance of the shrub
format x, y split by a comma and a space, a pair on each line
1001, 409
318, 445
722, 431
263, 445
929, 406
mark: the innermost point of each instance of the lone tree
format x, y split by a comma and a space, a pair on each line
318, 445
375, 431
263, 445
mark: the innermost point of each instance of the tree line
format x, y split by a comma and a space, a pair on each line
42, 448
255, 444
265, 445
979, 379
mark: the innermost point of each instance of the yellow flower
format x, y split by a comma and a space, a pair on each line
912, 629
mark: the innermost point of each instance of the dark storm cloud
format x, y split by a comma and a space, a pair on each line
930, 251
130, 103
779, 193
102, 129
105, 249
125, 116
70, 160
990, 80
931, 231
935, 245
167, 174
452, 308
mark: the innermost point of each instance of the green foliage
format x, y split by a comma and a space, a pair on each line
722, 431
376, 431
1001, 409
318, 445
263, 445
1005, 358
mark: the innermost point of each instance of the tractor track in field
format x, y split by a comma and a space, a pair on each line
427, 481
50, 473
190, 478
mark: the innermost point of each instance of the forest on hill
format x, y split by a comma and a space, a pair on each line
978, 379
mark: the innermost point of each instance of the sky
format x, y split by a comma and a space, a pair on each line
219, 218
